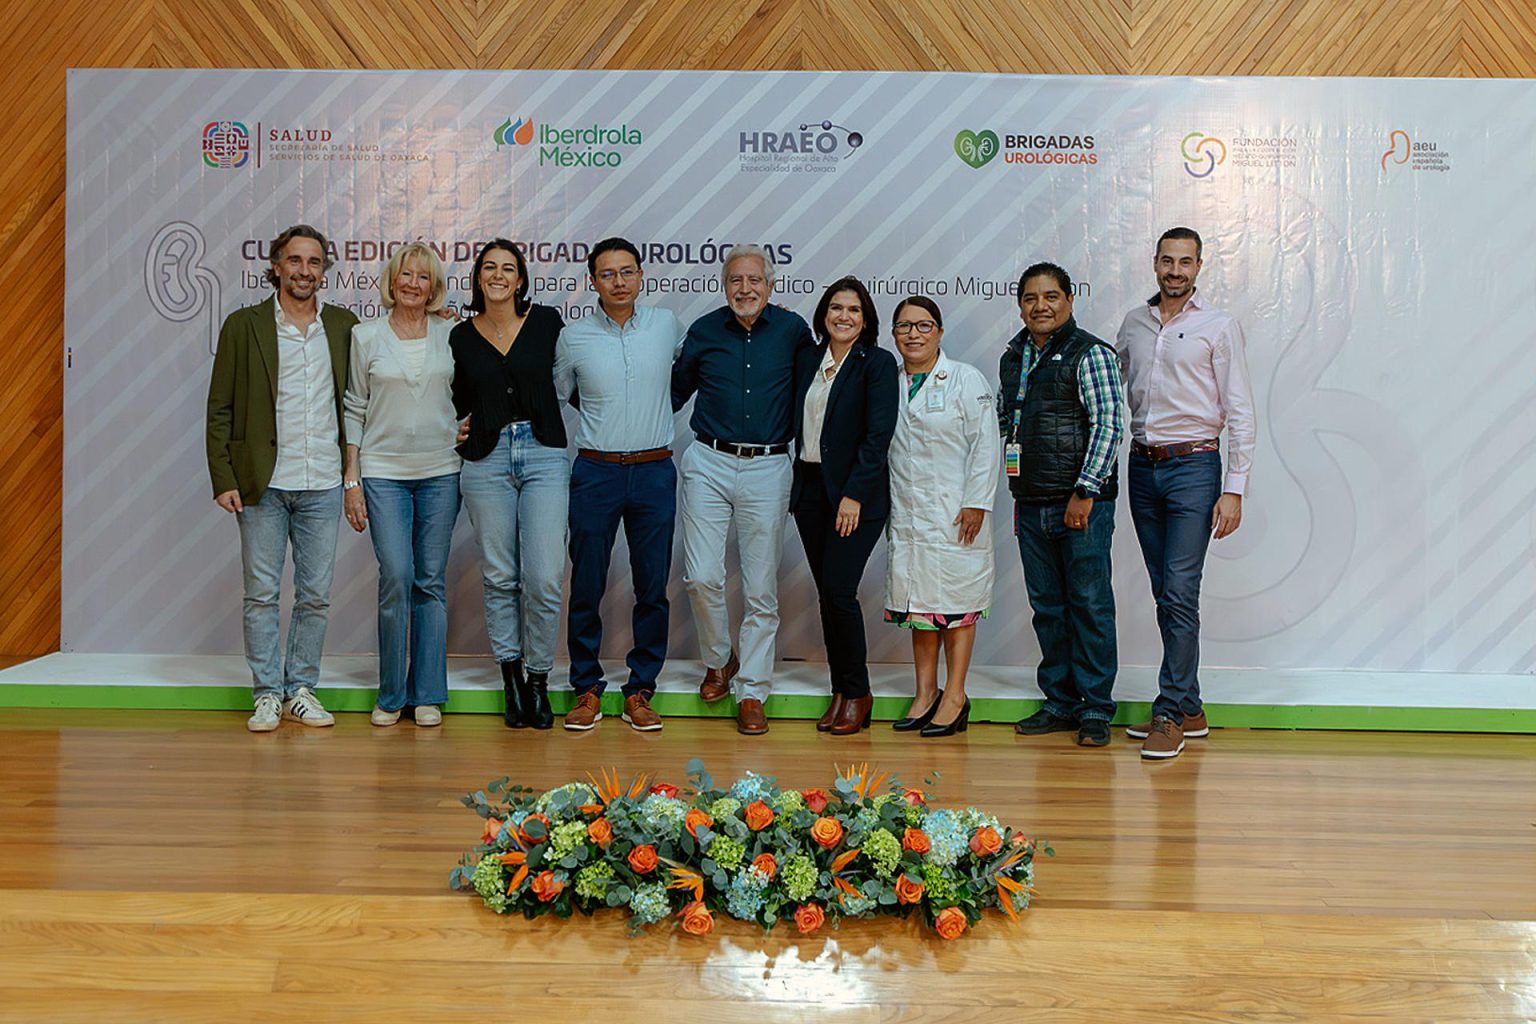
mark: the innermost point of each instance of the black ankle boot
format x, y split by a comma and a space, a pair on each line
514, 687
536, 702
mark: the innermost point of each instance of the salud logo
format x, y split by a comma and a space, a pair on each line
976, 148
226, 144
1202, 154
514, 134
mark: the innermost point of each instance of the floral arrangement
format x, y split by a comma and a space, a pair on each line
754, 851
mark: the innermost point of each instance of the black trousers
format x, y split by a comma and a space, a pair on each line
837, 566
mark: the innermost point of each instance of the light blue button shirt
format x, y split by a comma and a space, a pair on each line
622, 376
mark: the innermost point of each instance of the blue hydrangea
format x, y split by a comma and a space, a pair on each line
746, 894
949, 838
649, 903
662, 815
867, 818
853, 906
752, 787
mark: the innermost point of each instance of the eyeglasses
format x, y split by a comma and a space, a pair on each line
610, 276
908, 326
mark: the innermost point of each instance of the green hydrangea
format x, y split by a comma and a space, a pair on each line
727, 852
649, 904
490, 882
564, 839
789, 802
974, 819
563, 800
725, 807
885, 798
592, 880
913, 815
939, 886
883, 851
799, 876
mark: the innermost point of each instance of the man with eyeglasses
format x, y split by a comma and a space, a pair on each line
616, 367
740, 360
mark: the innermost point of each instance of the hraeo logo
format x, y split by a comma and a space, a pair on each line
816, 147
977, 148
510, 134
594, 145
1419, 155
178, 285
1202, 154
226, 144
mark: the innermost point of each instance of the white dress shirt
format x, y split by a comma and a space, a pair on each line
816, 406
1187, 379
308, 454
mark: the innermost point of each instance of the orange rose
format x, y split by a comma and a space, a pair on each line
527, 839
986, 841
697, 920
766, 865
546, 886
758, 815
816, 800
696, 818
827, 832
916, 840
951, 923
908, 891
600, 832
914, 797
492, 830
642, 859
665, 789
809, 918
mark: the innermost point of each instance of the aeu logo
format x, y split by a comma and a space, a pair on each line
976, 148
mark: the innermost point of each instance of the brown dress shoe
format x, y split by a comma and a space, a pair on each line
586, 714
1164, 742
717, 681
750, 720
640, 715
854, 715
824, 724
1195, 728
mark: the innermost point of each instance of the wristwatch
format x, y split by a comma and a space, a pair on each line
1083, 492
348, 485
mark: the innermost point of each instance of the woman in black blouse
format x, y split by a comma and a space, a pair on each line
516, 479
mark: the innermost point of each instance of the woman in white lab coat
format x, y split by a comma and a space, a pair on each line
944, 466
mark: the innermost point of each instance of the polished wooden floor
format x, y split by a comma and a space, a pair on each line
171, 867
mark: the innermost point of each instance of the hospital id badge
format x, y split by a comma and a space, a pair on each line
1011, 459
935, 399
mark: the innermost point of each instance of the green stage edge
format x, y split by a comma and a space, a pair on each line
794, 706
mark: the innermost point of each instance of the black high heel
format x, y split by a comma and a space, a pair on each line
958, 725
910, 724
514, 713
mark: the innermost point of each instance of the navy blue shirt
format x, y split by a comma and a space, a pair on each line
745, 380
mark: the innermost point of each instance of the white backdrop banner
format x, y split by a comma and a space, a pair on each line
1373, 237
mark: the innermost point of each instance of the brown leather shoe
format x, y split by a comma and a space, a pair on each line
587, 712
1164, 742
717, 681
854, 715
824, 724
750, 720
640, 715
1195, 728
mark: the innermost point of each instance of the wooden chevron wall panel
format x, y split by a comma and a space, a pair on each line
1428, 38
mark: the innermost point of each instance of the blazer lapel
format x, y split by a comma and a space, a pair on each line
843, 373
266, 341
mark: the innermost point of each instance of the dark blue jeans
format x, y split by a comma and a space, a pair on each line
1066, 573
1171, 504
644, 498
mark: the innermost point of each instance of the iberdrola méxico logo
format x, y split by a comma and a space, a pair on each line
976, 148
510, 134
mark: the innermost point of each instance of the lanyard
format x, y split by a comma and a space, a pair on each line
1018, 406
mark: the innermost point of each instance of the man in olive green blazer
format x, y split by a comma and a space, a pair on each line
275, 452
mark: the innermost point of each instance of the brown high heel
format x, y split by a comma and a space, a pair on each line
854, 716
824, 724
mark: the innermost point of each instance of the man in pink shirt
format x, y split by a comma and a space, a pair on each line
1186, 379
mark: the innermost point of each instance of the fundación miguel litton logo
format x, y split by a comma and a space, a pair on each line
978, 148
226, 144
595, 145
816, 147
1202, 154
1417, 154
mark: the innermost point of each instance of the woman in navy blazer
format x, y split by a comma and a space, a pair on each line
846, 392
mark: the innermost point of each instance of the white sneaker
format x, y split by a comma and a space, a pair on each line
305, 708
268, 713
428, 715
380, 717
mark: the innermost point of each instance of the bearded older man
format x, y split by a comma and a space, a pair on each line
740, 361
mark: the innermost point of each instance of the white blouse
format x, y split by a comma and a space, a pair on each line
399, 402
816, 406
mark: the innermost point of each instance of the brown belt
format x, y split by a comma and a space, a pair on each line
1163, 452
626, 458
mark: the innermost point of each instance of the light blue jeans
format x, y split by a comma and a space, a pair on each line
411, 524
718, 490
517, 498
308, 520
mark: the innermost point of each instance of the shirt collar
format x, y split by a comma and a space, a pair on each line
762, 318
282, 319
613, 325
1195, 301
